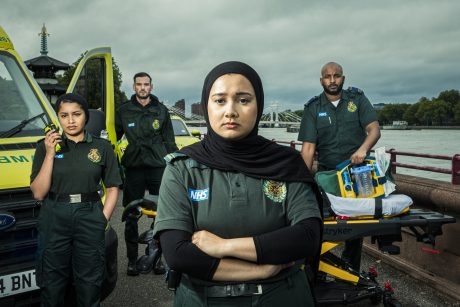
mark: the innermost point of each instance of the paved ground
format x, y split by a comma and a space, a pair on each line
143, 290
150, 289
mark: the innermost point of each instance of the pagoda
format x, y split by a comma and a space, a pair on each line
44, 69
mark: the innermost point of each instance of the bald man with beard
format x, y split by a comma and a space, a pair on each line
338, 125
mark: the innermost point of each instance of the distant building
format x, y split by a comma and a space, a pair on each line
180, 105
44, 69
378, 106
196, 109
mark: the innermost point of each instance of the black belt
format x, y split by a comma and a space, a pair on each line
74, 198
231, 290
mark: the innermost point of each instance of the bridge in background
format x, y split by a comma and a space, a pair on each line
271, 117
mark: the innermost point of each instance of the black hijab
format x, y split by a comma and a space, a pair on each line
254, 155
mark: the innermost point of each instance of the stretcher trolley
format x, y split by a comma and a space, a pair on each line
358, 203
338, 283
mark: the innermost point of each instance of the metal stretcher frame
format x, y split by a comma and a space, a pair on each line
340, 283
425, 225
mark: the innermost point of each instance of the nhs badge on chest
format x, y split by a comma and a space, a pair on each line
198, 195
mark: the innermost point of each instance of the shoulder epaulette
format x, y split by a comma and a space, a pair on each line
355, 90
314, 98
170, 158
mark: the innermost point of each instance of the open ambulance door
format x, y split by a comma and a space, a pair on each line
93, 79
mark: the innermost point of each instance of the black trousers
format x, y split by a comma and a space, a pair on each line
71, 242
137, 180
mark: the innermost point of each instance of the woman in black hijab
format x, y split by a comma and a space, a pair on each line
237, 213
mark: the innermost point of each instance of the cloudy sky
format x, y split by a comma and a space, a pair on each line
396, 51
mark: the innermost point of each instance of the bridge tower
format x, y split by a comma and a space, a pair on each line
274, 111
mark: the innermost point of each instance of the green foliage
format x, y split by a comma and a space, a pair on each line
456, 114
440, 112
392, 112
443, 110
409, 115
452, 98
120, 96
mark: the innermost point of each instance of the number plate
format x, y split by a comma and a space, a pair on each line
17, 283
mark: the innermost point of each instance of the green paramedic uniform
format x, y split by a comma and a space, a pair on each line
337, 131
71, 223
149, 132
150, 136
231, 205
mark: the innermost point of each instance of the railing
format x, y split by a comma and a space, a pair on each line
454, 171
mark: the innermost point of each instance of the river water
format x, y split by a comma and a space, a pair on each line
425, 141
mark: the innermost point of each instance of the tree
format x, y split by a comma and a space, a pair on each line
456, 113
89, 84
392, 112
120, 96
409, 115
439, 112
432, 112
452, 99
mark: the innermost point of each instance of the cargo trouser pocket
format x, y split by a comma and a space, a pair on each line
106, 221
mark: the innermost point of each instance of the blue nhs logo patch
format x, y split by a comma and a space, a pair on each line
198, 195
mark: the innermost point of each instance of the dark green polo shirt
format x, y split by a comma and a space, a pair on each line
79, 167
337, 131
231, 205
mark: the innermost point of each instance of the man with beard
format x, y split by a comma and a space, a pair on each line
338, 125
147, 126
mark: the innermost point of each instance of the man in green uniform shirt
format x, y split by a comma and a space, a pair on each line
338, 125
148, 128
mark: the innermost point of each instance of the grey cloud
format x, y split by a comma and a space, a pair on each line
395, 51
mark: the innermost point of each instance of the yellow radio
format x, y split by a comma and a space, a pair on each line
50, 127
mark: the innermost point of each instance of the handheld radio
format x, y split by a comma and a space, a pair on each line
50, 127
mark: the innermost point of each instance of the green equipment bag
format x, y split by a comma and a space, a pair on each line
328, 182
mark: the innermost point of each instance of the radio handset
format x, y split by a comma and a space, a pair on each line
50, 127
